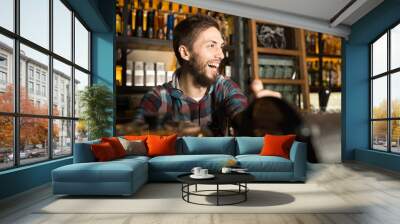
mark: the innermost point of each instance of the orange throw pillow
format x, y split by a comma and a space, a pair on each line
161, 145
116, 145
135, 137
103, 151
277, 145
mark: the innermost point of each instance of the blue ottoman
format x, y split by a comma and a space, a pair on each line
118, 177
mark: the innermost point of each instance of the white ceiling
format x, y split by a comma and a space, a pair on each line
313, 15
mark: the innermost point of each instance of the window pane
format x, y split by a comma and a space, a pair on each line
62, 141
6, 74
81, 45
379, 135
395, 136
81, 81
379, 55
62, 89
6, 142
62, 29
81, 131
35, 21
395, 47
34, 96
395, 94
7, 14
33, 139
379, 97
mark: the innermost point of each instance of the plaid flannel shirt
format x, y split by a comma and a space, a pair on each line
222, 101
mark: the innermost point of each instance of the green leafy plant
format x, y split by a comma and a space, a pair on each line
96, 103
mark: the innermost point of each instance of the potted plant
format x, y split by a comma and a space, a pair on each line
96, 103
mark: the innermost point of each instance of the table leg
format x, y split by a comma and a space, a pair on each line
196, 188
217, 194
245, 191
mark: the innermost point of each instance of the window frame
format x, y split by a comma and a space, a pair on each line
16, 114
388, 74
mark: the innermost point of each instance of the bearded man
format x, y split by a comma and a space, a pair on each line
197, 94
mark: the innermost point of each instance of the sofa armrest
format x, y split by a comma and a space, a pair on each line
83, 152
298, 155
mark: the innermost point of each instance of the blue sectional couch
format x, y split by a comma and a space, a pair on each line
125, 176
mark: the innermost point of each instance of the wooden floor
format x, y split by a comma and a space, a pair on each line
377, 188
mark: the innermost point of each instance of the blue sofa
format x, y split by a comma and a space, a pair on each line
125, 176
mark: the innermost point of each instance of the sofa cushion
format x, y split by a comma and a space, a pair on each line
103, 151
277, 145
116, 145
257, 163
185, 163
206, 145
136, 137
249, 145
133, 147
161, 145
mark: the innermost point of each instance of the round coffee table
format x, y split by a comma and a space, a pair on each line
238, 179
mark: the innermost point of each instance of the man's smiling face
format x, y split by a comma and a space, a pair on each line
206, 55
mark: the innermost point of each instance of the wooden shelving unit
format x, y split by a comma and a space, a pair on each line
299, 52
141, 43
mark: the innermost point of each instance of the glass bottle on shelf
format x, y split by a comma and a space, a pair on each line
170, 23
180, 15
313, 42
315, 67
150, 21
145, 5
118, 19
160, 22
129, 24
139, 21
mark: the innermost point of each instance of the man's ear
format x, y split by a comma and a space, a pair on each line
184, 52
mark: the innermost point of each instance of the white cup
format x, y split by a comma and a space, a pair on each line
196, 170
203, 172
226, 170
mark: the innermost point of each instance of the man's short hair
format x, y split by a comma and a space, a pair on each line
186, 32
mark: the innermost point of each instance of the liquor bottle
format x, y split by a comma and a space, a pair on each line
121, 3
118, 20
316, 79
325, 74
308, 42
313, 42
180, 15
129, 24
145, 12
224, 28
331, 74
133, 17
150, 21
160, 22
118, 75
309, 72
139, 21
231, 31
339, 74
193, 10
170, 23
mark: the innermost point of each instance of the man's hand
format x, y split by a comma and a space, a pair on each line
258, 90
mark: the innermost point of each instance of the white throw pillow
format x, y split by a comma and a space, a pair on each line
135, 147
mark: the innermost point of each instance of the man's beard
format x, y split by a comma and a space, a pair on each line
198, 72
